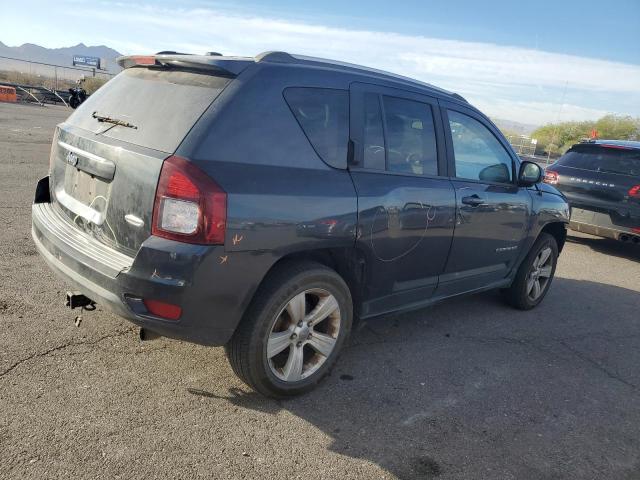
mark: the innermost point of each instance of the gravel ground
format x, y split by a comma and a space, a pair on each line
468, 389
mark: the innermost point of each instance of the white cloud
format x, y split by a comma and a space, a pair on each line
537, 113
509, 82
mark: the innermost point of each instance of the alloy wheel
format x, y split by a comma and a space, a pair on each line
303, 335
540, 274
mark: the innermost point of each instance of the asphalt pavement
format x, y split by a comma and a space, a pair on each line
467, 389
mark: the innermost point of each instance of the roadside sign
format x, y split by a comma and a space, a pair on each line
85, 61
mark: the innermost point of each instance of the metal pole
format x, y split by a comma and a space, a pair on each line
35, 98
56, 94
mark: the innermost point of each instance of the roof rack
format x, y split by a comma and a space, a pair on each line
284, 57
275, 56
232, 66
459, 97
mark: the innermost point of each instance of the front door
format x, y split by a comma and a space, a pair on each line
492, 212
406, 205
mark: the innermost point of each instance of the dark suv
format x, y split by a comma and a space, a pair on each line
265, 203
601, 180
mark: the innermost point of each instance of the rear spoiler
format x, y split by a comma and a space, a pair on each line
227, 66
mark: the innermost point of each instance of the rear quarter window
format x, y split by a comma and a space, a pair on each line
323, 115
602, 159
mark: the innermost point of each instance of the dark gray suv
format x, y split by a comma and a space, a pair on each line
266, 203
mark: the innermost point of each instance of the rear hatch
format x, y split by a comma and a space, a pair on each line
106, 158
600, 178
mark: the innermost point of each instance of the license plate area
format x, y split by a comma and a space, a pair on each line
582, 216
86, 189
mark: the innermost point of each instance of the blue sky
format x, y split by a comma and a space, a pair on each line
608, 30
532, 62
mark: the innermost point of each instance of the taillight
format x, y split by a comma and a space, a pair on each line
189, 206
143, 59
634, 191
550, 177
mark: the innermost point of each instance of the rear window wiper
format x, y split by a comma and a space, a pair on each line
114, 121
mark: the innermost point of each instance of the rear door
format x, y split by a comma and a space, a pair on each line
405, 202
599, 182
492, 212
103, 176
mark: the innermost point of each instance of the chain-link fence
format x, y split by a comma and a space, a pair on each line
523, 144
50, 76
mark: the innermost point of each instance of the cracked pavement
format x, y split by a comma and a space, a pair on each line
468, 389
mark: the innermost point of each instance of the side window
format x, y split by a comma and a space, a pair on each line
323, 114
411, 137
478, 153
374, 154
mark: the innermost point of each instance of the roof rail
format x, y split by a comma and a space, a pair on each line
275, 56
459, 97
283, 57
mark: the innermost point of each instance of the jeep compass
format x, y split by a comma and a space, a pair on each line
266, 203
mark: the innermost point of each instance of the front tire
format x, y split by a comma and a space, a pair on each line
535, 274
292, 333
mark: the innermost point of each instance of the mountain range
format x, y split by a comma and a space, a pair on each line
64, 57
514, 127
57, 56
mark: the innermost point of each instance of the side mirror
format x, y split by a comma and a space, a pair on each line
495, 173
530, 174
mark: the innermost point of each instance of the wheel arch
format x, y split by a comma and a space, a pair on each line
346, 262
557, 230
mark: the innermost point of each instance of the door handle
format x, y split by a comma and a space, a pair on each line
473, 200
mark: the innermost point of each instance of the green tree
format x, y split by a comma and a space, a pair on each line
618, 128
557, 138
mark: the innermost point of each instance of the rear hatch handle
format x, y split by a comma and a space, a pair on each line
88, 162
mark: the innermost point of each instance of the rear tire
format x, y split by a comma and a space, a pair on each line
293, 331
534, 277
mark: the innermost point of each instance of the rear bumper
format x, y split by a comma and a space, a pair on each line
599, 224
212, 293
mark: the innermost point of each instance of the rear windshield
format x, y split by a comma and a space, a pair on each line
163, 105
602, 159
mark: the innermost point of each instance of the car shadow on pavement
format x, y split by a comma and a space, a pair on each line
475, 389
608, 246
